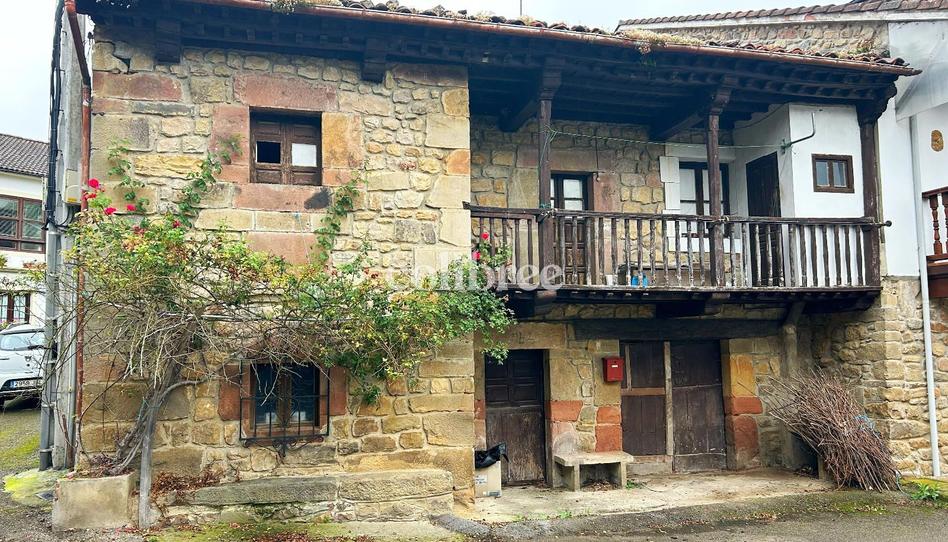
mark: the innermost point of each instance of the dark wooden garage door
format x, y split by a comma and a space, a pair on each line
643, 399
514, 399
698, 404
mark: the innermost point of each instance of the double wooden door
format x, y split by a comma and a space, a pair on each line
694, 391
515, 414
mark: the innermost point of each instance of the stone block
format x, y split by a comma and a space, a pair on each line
609, 415
394, 485
166, 165
442, 403
293, 247
94, 503
744, 435
228, 219
564, 411
411, 440
208, 89
608, 438
369, 104
277, 221
177, 406
388, 180
447, 132
139, 86
431, 75
183, 460
136, 133
266, 491
397, 424
378, 443
342, 140
277, 197
743, 405
458, 163
364, 426
739, 377
278, 92
229, 121
456, 102
450, 429
103, 438
450, 192
112, 402
455, 227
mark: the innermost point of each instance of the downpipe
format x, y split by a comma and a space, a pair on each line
926, 301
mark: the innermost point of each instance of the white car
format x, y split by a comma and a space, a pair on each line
21, 359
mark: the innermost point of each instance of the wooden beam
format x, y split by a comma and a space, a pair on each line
550, 81
717, 99
715, 186
687, 329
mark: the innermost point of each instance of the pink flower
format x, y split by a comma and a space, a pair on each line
485, 236
476, 255
109, 210
94, 183
131, 207
176, 224
89, 195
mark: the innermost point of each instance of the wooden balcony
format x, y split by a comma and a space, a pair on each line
938, 258
681, 261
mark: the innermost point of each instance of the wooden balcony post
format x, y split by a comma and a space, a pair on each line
549, 84
715, 188
870, 195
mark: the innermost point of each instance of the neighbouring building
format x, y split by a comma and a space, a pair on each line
714, 212
912, 162
23, 165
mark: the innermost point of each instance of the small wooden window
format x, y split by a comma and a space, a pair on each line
695, 191
284, 403
832, 173
569, 191
15, 308
21, 225
286, 150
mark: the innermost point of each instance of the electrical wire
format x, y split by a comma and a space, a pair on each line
554, 133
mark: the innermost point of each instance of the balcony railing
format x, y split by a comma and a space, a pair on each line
938, 203
677, 252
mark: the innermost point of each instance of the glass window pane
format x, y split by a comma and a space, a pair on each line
304, 155
32, 230
687, 184
33, 247
822, 173
265, 396
32, 210
7, 228
4, 307
304, 394
268, 152
689, 208
19, 308
9, 207
573, 205
839, 174
573, 188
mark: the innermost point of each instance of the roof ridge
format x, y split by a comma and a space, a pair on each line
24, 138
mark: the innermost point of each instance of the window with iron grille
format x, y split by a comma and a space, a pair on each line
21, 224
286, 149
283, 404
15, 308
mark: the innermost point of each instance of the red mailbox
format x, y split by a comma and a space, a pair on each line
613, 369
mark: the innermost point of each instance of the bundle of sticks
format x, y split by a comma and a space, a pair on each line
821, 411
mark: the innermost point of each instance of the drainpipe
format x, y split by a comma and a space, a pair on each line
926, 303
84, 158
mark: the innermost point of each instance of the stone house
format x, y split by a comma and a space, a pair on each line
708, 216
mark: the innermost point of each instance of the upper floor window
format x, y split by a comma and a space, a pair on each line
285, 403
15, 308
832, 173
569, 191
286, 150
21, 224
695, 189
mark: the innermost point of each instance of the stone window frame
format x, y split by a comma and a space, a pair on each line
17, 241
288, 124
290, 433
847, 161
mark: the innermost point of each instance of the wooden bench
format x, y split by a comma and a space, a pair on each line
570, 466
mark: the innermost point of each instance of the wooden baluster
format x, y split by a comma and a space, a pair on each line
615, 250
651, 250
678, 248
769, 260
516, 261
944, 203
813, 258
664, 239
732, 254
859, 256
691, 267
628, 252
702, 231
531, 223
493, 236
575, 243
849, 255
801, 231
826, 261
480, 228
837, 255
745, 251
601, 241
561, 231
755, 253
792, 254
781, 268
638, 246
589, 226
933, 203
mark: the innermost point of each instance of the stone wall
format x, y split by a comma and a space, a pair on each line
880, 353
407, 137
839, 37
625, 176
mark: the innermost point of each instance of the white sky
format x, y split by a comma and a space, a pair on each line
26, 40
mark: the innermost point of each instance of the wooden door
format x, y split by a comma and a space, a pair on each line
515, 414
698, 406
763, 199
643, 399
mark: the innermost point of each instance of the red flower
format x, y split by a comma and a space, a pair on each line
176, 224
131, 207
476, 255
94, 183
109, 210
485, 236
89, 195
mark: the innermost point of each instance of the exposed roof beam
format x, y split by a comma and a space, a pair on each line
550, 80
690, 117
